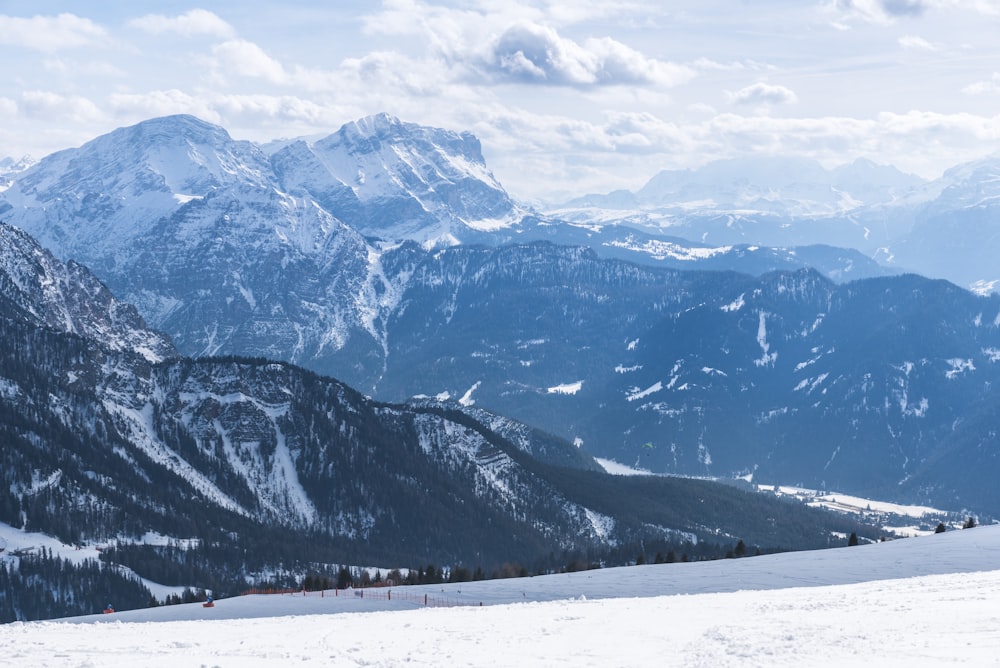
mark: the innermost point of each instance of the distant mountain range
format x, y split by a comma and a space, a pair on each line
939, 228
794, 187
387, 256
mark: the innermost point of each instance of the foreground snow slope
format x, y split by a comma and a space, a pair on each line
929, 600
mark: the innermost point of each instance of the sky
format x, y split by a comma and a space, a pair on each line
566, 97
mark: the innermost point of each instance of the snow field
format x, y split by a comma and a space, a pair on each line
932, 620
930, 600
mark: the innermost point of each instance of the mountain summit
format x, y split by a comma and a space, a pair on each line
397, 180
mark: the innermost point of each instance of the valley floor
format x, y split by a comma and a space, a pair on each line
931, 600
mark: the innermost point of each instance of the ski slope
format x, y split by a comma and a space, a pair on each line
931, 600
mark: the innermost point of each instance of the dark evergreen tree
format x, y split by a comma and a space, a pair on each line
741, 549
344, 578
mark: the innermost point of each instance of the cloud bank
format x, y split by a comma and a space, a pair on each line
189, 24
762, 93
50, 33
536, 54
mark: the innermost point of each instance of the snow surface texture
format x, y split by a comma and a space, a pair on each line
919, 601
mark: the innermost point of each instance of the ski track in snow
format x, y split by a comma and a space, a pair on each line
918, 601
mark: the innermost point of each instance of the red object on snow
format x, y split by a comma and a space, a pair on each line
108, 611
209, 604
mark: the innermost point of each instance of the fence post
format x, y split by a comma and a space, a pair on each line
425, 599
389, 593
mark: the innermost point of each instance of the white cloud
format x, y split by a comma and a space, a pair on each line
645, 132
78, 67
392, 71
914, 42
902, 7
576, 156
219, 108
879, 11
537, 54
520, 42
188, 24
260, 117
161, 103
8, 107
885, 12
56, 106
243, 58
991, 85
283, 108
50, 33
579, 11
762, 93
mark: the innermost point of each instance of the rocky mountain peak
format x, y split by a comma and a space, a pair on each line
68, 298
371, 132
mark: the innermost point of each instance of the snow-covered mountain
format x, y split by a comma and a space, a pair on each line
793, 187
10, 168
755, 186
955, 227
775, 203
191, 227
942, 229
229, 249
399, 181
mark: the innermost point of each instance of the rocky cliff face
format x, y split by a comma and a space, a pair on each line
41, 290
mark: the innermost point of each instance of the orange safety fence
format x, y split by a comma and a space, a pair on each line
375, 593
420, 599
270, 590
